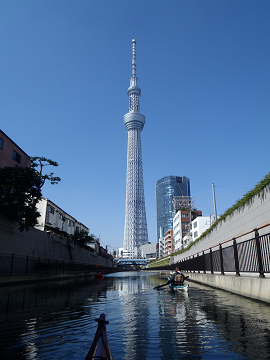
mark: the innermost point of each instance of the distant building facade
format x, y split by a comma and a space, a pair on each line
149, 251
181, 227
169, 242
130, 254
199, 226
166, 189
11, 154
161, 243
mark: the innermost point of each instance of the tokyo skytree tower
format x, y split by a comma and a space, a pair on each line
135, 220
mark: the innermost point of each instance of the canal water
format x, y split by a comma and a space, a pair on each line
56, 320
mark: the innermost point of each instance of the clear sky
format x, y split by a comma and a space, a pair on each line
204, 71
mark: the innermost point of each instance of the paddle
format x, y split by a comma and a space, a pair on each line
160, 286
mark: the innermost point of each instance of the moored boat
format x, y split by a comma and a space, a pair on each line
99, 276
100, 347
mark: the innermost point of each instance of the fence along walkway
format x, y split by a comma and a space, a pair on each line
234, 256
15, 264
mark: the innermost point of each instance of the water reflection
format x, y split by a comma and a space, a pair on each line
135, 310
243, 322
56, 320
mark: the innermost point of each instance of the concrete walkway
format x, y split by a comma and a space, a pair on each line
248, 286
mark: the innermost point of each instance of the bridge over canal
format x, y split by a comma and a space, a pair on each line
124, 262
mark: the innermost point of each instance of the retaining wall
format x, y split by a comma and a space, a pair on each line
38, 243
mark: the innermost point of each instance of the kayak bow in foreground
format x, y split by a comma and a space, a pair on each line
100, 347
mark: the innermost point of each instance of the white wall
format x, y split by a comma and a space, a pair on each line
161, 245
199, 225
177, 231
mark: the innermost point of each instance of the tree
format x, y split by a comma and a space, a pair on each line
19, 194
41, 162
82, 237
20, 191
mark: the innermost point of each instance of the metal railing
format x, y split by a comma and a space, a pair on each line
15, 264
249, 256
232, 256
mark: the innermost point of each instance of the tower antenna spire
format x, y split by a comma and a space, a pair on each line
134, 92
134, 57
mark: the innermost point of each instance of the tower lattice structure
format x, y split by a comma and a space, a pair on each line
135, 218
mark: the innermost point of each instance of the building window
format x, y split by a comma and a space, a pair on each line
1, 143
51, 210
184, 215
195, 234
195, 225
16, 157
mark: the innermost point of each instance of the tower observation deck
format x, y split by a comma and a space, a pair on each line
135, 218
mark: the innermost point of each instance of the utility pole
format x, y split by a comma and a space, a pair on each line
214, 200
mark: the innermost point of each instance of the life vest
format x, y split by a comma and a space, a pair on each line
179, 279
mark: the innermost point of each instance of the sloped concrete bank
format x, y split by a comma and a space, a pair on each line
252, 287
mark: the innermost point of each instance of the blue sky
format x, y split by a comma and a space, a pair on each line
203, 68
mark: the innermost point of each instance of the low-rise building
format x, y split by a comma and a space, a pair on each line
11, 154
130, 254
56, 221
169, 242
149, 251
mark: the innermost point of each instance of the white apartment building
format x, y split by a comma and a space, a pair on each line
130, 254
181, 224
177, 231
199, 226
56, 221
161, 243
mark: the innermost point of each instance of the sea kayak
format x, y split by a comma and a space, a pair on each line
178, 287
100, 347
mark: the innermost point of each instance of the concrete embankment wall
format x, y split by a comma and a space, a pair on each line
252, 287
39, 243
254, 214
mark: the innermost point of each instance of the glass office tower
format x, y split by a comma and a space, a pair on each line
166, 189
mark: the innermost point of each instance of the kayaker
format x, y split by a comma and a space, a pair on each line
177, 277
